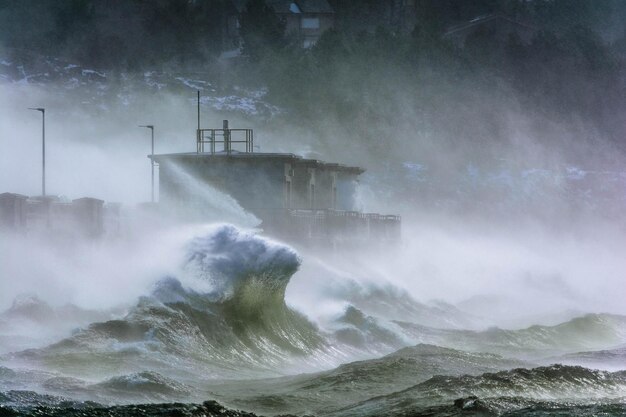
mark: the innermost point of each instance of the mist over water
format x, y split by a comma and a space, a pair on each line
505, 292
452, 258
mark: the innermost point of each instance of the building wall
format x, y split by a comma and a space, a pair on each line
254, 184
307, 26
346, 184
88, 216
49, 215
288, 185
258, 184
13, 212
302, 182
314, 187
324, 186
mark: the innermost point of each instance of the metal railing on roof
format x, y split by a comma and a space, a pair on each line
211, 138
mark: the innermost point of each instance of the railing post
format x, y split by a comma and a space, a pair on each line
226, 136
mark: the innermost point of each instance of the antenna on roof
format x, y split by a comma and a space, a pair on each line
198, 132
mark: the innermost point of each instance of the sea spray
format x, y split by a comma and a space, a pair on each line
210, 203
221, 313
223, 316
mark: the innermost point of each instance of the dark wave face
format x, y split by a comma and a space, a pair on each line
556, 383
357, 381
608, 359
361, 389
393, 303
592, 331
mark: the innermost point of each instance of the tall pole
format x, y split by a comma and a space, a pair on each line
199, 144
151, 127
43, 148
43, 152
152, 163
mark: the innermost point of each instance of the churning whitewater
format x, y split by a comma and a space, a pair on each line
220, 329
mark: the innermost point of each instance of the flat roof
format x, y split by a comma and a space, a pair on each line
13, 196
259, 155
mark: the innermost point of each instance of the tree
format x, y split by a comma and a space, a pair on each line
261, 30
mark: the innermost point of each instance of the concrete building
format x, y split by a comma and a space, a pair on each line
88, 216
295, 197
13, 212
305, 20
53, 216
260, 181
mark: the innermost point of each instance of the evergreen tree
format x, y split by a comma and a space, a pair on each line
262, 31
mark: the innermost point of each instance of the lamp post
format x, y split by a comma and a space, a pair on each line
151, 127
43, 148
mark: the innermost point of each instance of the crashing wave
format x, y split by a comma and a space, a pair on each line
366, 332
393, 303
229, 319
142, 386
592, 331
354, 382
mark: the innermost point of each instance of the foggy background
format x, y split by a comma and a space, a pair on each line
503, 154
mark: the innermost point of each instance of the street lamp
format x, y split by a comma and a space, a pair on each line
43, 148
151, 127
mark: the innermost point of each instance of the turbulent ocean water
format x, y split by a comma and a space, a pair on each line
218, 335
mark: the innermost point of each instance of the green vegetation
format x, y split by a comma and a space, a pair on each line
380, 87
547, 93
261, 31
129, 35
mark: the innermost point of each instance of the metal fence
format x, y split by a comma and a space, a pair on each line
331, 225
208, 139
